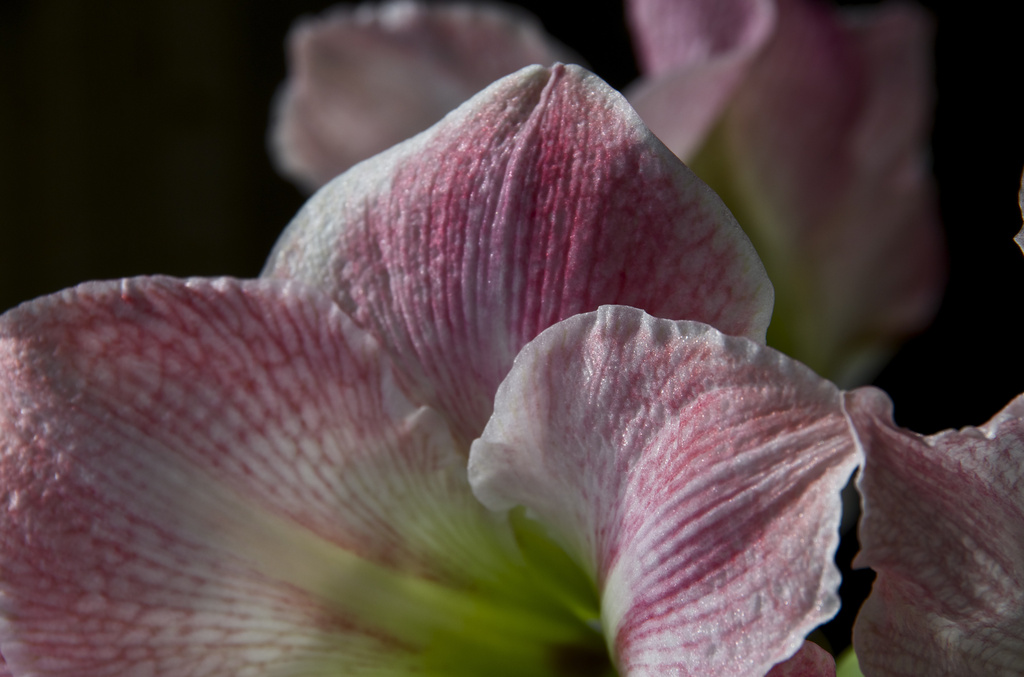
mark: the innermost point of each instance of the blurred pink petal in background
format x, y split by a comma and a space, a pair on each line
821, 153
365, 77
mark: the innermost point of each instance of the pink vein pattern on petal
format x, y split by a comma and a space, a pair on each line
184, 466
366, 77
693, 53
943, 526
695, 475
810, 661
542, 197
822, 155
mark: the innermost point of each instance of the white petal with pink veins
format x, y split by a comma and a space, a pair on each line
219, 477
943, 527
542, 197
694, 475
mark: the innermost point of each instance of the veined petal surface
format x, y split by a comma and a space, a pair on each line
196, 476
943, 527
822, 155
365, 77
694, 53
694, 475
542, 197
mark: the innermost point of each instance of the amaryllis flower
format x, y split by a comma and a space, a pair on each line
269, 477
943, 527
811, 124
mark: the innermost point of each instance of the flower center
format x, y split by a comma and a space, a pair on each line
539, 616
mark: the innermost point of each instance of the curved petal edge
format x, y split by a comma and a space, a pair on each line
943, 527
694, 475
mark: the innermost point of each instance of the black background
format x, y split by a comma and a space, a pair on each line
132, 141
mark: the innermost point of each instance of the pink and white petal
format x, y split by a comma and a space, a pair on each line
810, 661
943, 527
365, 77
194, 473
822, 154
542, 197
694, 475
694, 53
